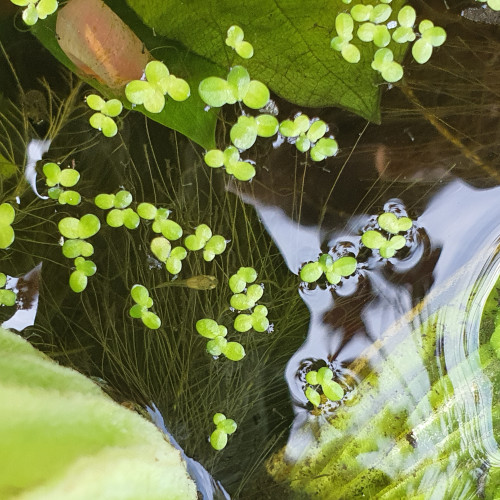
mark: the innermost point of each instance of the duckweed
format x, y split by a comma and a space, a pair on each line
323, 378
225, 426
235, 40
143, 302
7, 297
36, 9
7, 215
106, 111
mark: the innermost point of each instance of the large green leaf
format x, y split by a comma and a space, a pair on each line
63, 438
188, 117
423, 423
291, 39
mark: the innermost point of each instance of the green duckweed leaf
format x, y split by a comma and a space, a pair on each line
140, 295
255, 292
243, 322
115, 218
313, 396
249, 274
236, 283
208, 328
161, 248
244, 132
151, 320
241, 302
218, 439
105, 201
78, 281
332, 390
69, 198
75, 248
259, 323
311, 272
372, 239
234, 351
3, 279
393, 224
214, 158
345, 266
7, 298
173, 265
136, 311
312, 377
146, 211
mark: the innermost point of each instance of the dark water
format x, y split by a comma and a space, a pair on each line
438, 163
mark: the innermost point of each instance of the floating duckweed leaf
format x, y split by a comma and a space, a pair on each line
244, 132
244, 275
123, 199
350, 53
3, 279
243, 322
78, 281
345, 266
104, 124
146, 211
373, 239
151, 320
392, 224
214, 246
216, 92
389, 248
115, 218
234, 351
69, 198
317, 130
241, 302
214, 158
260, 323
255, 292
7, 298
323, 377
311, 272
170, 229
249, 274
72, 228
332, 390
36, 10
235, 40
218, 439
74, 248
210, 329
140, 295
130, 219
383, 62
257, 95
406, 18
267, 125
380, 13
245, 49
432, 36
173, 265
344, 23
87, 267
7, 234
313, 396
161, 247
242, 170
104, 201
324, 148
179, 253
136, 311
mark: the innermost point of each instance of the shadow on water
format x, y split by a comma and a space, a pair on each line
435, 158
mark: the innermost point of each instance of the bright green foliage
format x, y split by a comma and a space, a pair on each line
73, 228
159, 82
214, 246
174, 262
147, 211
7, 215
247, 128
387, 247
143, 302
235, 40
218, 344
199, 239
216, 91
126, 217
323, 378
383, 61
55, 178
106, 111
334, 269
161, 248
257, 320
7, 297
76, 248
230, 158
244, 301
162, 224
244, 275
225, 426
78, 278
36, 9
308, 135
344, 26
432, 36
392, 224
406, 18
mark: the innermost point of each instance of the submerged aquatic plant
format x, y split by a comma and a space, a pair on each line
225, 426
218, 344
57, 179
106, 111
7, 297
235, 40
143, 302
158, 83
7, 216
36, 9
324, 379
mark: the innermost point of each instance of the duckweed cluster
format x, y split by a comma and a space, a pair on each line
120, 213
235, 40
102, 120
57, 179
7, 297
322, 379
7, 216
225, 426
371, 29
36, 9
143, 302
218, 343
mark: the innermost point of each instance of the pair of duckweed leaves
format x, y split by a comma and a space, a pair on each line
78, 279
36, 9
323, 378
225, 426
245, 131
306, 133
158, 83
334, 270
171, 257
235, 40
212, 244
248, 299
257, 320
218, 343
230, 159
57, 179
390, 223
238, 87
7, 216
106, 111
7, 297
143, 302
120, 214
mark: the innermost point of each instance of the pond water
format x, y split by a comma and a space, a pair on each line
403, 336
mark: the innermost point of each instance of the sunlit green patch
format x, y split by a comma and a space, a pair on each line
256, 320
203, 238
36, 9
106, 111
225, 426
406, 18
432, 36
7, 297
344, 26
383, 62
245, 131
324, 379
230, 159
217, 92
159, 82
173, 263
78, 278
7, 215
308, 135
239, 280
392, 224
76, 248
247, 300
120, 214
235, 40
57, 179
334, 270
167, 227
218, 343
83, 228
143, 302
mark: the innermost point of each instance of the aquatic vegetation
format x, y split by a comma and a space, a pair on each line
344, 26
334, 270
85, 227
235, 40
57, 179
218, 343
36, 9
225, 426
431, 36
7, 297
308, 135
406, 19
106, 111
159, 82
324, 379
212, 244
230, 159
256, 320
492, 4
217, 92
245, 131
383, 61
7, 215
78, 278
247, 300
120, 214
239, 280
143, 302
